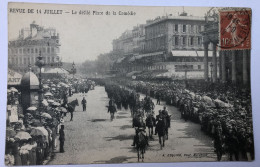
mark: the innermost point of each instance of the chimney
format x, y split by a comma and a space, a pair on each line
33, 28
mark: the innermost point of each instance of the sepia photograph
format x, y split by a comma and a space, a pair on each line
99, 84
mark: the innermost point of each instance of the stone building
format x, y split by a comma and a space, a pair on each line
24, 50
173, 43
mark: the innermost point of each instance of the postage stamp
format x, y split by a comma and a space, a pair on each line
235, 29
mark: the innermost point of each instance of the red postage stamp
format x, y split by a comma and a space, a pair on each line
235, 29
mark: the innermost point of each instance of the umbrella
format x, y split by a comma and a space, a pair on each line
22, 135
46, 115
32, 108
56, 104
44, 102
13, 89
45, 86
10, 133
43, 130
51, 101
62, 109
48, 94
36, 132
53, 89
20, 115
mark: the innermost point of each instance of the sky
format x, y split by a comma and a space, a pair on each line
84, 37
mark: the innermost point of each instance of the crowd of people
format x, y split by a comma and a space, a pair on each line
32, 134
224, 111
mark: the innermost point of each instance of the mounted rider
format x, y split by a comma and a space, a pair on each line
167, 116
159, 118
139, 127
150, 123
148, 104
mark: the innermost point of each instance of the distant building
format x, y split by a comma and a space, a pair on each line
24, 50
123, 46
173, 43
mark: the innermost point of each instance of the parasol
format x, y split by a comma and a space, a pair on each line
45, 103
23, 135
43, 130
10, 133
50, 101
56, 104
46, 115
32, 108
62, 109
13, 89
48, 94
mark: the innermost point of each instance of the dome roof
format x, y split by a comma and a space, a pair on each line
30, 80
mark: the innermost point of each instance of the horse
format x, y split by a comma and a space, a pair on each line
71, 107
141, 144
150, 123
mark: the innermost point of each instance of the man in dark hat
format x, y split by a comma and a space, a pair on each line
84, 103
62, 138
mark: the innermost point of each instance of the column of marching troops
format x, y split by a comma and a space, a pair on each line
223, 111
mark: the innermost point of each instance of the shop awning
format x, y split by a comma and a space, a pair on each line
145, 55
120, 60
194, 53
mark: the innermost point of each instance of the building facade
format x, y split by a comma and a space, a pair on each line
167, 43
32, 42
168, 33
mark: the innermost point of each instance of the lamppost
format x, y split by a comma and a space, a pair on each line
40, 63
211, 71
185, 69
73, 70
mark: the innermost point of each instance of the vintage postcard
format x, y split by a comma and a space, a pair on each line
92, 84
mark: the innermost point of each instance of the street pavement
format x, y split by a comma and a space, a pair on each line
92, 138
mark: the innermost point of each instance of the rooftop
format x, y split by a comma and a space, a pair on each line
171, 17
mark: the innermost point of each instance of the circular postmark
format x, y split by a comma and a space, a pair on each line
229, 28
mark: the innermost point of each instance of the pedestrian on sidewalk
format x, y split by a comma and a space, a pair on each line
62, 138
84, 103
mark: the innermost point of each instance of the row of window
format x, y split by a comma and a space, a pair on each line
187, 67
191, 41
32, 50
28, 60
180, 28
184, 28
156, 67
159, 43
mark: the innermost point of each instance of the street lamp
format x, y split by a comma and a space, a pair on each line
40, 63
185, 69
211, 70
73, 70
